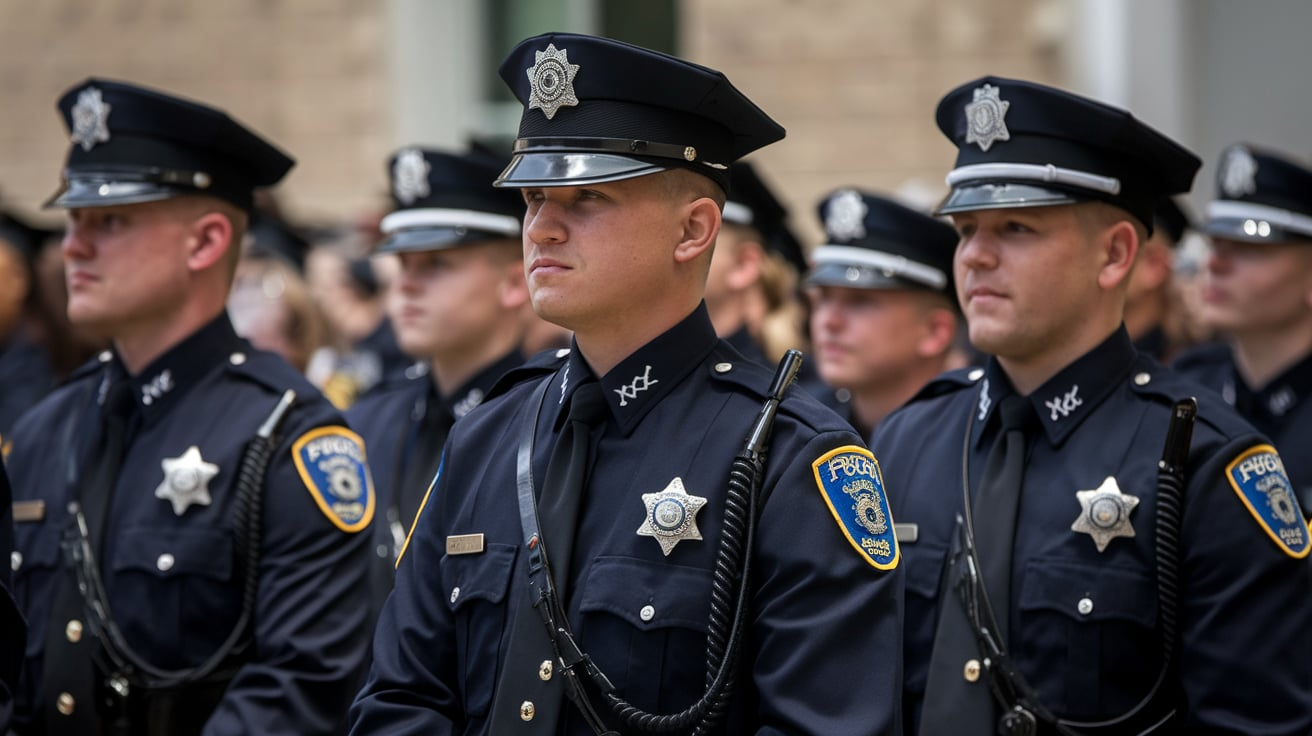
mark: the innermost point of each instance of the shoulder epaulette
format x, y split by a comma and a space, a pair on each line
950, 382
545, 362
1203, 356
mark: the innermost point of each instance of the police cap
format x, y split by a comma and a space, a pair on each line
131, 144
598, 110
1261, 197
445, 199
752, 204
1021, 144
875, 243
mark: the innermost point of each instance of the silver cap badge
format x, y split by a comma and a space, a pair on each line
410, 176
1238, 172
1105, 513
551, 81
986, 118
845, 216
186, 480
90, 119
671, 516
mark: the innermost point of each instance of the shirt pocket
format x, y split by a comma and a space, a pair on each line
645, 624
1088, 636
37, 563
475, 586
924, 565
174, 589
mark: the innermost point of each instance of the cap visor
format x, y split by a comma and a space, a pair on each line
998, 196
1249, 230
558, 169
855, 276
105, 193
435, 238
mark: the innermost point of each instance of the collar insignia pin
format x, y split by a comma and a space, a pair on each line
986, 118
551, 81
845, 217
671, 516
186, 480
90, 119
410, 176
1105, 513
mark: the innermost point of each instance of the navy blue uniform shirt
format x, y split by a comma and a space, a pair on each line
823, 643
405, 423
1280, 410
168, 552
1082, 624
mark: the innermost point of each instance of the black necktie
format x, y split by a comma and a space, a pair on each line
565, 485
97, 488
957, 696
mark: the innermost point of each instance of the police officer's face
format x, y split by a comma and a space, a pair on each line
1257, 287
1027, 280
126, 266
601, 256
444, 303
864, 338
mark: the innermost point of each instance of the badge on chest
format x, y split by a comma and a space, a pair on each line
186, 480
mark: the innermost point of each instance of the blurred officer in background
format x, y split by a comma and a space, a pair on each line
1151, 303
25, 370
1053, 580
191, 515
456, 307
883, 312
13, 630
1257, 293
633, 551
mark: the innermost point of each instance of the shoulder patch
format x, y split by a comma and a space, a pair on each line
331, 462
1258, 477
850, 482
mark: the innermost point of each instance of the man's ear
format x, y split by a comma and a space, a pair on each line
701, 225
1120, 246
211, 238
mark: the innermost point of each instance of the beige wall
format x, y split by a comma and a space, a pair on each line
854, 81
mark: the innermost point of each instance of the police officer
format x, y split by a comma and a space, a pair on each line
189, 510
612, 463
456, 307
1057, 575
1151, 305
883, 318
25, 369
1257, 292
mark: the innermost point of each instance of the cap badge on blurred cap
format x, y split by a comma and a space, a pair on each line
1238, 172
410, 176
551, 81
986, 118
845, 218
90, 119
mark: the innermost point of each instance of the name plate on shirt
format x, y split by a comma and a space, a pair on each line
464, 544
29, 510
906, 533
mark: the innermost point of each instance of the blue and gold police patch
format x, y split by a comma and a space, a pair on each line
1258, 477
331, 462
853, 488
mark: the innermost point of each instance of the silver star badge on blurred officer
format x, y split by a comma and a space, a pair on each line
186, 480
410, 176
90, 119
1105, 513
986, 118
845, 216
671, 516
551, 81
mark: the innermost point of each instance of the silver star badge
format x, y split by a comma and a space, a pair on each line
986, 118
186, 480
410, 176
1238, 172
845, 216
90, 119
1105, 513
551, 81
671, 516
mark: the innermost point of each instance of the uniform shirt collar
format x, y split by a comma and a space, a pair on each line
169, 376
639, 381
468, 396
1064, 400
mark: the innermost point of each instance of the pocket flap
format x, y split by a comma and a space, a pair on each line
649, 596
170, 552
1090, 593
479, 577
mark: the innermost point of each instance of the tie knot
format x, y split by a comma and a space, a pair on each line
1017, 412
588, 404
